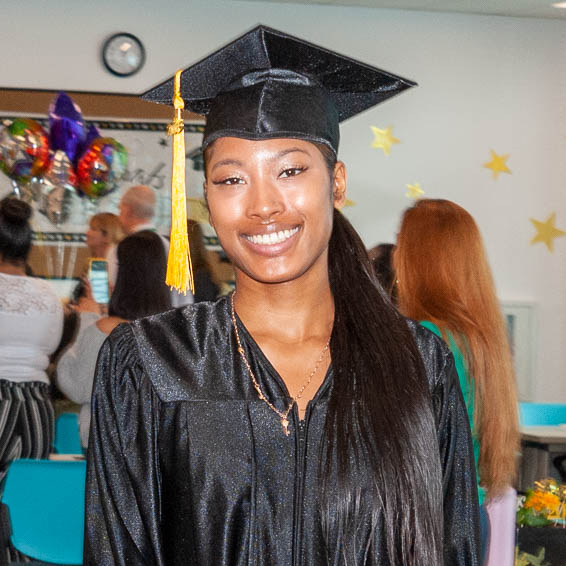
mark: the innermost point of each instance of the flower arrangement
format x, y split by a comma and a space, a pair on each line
543, 506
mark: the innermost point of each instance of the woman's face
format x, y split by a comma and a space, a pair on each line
271, 203
96, 239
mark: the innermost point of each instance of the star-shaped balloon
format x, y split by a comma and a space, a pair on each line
383, 139
497, 164
546, 231
414, 191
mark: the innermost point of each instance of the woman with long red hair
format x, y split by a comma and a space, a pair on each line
444, 280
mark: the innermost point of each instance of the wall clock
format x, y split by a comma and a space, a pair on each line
123, 54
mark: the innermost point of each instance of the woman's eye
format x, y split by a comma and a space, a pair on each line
229, 181
291, 172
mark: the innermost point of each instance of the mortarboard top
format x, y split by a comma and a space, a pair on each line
268, 84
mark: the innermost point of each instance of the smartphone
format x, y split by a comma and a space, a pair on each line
98, 278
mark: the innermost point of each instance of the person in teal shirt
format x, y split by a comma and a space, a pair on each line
467, 387
443, 279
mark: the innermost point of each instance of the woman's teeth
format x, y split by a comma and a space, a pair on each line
273, 238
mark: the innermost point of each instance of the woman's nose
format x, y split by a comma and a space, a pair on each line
265, 202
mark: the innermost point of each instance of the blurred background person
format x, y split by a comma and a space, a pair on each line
137, 210
206, 288
104, 233
445, 282
102, 237
31, 321
140, 291
381, 257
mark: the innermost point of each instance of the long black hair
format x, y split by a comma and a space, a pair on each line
140, 285
380, 413
15, 230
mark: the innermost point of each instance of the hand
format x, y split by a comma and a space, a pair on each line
86, 304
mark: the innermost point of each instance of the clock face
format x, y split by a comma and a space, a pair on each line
123, 54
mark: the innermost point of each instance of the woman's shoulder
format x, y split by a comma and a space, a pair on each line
21, 294
195, 322
173, 349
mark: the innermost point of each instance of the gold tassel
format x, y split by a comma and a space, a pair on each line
179, 265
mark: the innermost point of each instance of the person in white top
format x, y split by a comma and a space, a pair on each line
31, 323
137, 209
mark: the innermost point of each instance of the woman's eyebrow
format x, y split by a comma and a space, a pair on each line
226, 162
285, 152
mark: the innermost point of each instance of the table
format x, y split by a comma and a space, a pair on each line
539, 446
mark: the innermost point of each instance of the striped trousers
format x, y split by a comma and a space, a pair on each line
26, 429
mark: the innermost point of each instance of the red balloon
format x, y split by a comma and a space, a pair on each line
101, 167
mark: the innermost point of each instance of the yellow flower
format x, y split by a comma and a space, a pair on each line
544, 502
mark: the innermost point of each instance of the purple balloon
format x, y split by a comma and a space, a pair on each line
66, 126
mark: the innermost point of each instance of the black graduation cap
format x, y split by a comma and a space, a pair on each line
268, 84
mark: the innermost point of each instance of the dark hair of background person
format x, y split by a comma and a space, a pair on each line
15, 230
381, 257
206, 288
140, 288
380, 412
445, 278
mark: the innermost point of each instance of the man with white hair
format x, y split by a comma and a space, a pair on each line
137, 209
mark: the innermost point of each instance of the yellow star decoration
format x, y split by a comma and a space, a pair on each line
349, 202
197, 210
415, 191
383, 139
497, 164
546, 231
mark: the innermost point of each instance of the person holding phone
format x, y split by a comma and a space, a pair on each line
140, 291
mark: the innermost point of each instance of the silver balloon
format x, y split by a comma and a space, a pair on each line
35, 188
58, 187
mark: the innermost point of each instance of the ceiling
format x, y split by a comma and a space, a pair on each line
517, 8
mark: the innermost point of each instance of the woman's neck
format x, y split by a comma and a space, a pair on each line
100, 251
289, 312
11, 268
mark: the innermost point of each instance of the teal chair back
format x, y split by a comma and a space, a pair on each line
67, 438
45, 501
540, 414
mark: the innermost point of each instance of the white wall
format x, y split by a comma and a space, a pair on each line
485, 83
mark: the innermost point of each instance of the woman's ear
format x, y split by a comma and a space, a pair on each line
339, 185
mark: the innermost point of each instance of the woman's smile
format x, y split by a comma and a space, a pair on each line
272, 241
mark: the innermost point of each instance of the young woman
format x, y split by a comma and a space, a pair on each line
444, 280
31, 322
104, 232
301, 420
140, 291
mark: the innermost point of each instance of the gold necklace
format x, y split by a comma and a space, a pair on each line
283, 415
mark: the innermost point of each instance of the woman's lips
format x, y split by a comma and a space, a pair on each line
272, 243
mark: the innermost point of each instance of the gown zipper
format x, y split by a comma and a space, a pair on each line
301, 428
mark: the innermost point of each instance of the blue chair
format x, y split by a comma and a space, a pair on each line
67, 437
542, 414
45, 501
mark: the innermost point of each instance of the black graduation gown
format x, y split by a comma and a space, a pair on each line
186, 466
